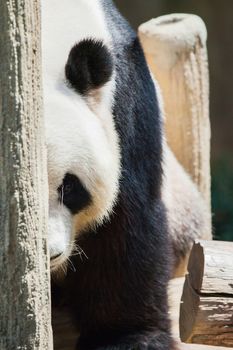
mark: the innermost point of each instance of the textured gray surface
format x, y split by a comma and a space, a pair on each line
24, 272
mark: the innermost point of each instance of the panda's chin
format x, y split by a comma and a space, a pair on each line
60, 236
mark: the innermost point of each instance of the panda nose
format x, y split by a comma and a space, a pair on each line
55, 256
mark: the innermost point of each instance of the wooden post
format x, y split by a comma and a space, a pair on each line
199, 347
206, 313
24, 264
175, 48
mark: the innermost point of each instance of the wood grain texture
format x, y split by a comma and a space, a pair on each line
200, 347
211, 267
24, 264
206, 314
175, 293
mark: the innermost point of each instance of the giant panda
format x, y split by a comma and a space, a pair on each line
115, 215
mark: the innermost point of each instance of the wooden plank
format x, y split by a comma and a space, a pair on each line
183, 346
206, 319
175, 292
206, 315
211, 267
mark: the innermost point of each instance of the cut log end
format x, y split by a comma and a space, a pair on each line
178, 29
206, 312
196, 265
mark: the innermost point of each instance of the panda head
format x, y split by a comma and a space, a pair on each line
82, 145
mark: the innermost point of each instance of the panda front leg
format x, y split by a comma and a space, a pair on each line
120, 293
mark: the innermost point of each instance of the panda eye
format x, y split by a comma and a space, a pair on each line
73, 194
67, 188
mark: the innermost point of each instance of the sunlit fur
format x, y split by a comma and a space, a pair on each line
115, 254
81, 137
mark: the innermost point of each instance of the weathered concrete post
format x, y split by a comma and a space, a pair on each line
24, 265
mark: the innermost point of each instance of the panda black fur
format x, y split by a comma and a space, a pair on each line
105, 161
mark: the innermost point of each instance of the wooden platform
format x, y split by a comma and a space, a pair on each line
175, 291
67, 341
200, 347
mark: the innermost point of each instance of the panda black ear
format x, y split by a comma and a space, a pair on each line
89, 66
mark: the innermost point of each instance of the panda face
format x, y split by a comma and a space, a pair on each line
83, 168
82, 144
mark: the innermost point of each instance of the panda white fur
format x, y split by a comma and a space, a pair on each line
81, 136
112, 224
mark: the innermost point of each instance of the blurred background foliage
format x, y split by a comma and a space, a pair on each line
218, 16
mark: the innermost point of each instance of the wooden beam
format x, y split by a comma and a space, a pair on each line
206, 314
175, 292
183, 346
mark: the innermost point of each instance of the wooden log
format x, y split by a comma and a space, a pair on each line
183, 346
175, 49
206, 313
175, 292
211, 266
24, 264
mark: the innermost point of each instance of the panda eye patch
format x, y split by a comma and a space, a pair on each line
73, 194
